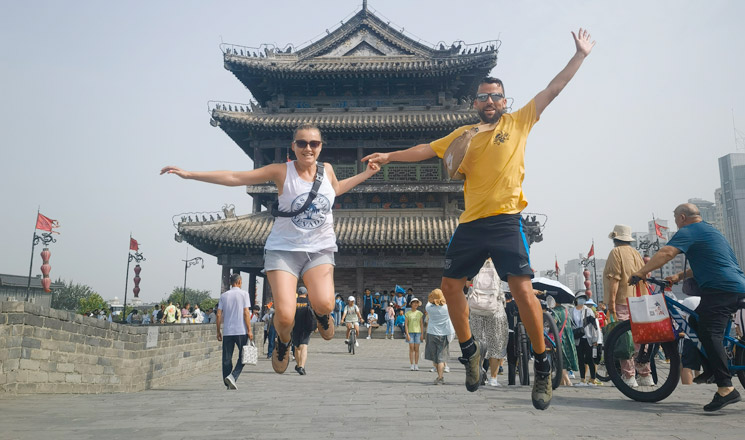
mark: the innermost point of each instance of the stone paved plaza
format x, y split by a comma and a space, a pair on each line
371, 395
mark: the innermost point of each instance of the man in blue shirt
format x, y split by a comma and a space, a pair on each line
715, 269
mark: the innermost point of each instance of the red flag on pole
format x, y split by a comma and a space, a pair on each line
592, 251
557, 266
658, 229
46, 224
133, 245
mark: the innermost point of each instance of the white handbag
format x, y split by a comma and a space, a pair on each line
250, 354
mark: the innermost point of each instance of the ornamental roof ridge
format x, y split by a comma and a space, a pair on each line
363, 22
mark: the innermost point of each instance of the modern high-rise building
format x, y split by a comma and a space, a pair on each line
719, 204
708, 210
732, 177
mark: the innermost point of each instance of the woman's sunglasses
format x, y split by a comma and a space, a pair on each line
302, 144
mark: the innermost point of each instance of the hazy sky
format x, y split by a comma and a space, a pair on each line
98, 96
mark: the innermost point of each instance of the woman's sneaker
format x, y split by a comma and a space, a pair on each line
493, 382
630, 381
324, 327
646, 381
280, 359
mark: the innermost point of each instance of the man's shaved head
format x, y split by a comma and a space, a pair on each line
688, 210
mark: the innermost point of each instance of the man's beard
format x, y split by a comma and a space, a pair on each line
490, 119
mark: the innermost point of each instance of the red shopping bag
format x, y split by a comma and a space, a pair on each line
650, 319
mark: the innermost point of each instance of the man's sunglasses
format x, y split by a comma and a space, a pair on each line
494, 96
302, 144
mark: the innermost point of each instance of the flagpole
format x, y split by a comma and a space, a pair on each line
126, 280
31, 264
594, 268
654, 223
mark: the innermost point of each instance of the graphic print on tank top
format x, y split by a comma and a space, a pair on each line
315, 215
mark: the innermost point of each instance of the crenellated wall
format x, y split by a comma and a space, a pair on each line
44, 350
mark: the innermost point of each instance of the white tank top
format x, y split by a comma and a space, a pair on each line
309, 231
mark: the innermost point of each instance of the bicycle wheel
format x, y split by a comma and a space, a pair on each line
523, 358
350, 341
667, 375
740, 361
553, 348
601, 371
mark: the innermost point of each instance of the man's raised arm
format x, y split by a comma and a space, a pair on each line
584, 46
414, 154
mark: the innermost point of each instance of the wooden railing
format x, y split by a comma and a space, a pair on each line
426, 172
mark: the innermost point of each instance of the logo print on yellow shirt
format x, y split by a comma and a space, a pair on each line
501, 137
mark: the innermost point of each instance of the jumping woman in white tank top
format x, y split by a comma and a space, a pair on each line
302, 246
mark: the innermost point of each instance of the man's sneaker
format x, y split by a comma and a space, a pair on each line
356, 344
630, 381
542, 390
571, 374
368, 337
280, 359
493, 382
474, 371
646, 381
300, 370
719, 402
230, 382
447, 369
346, 341
324, 327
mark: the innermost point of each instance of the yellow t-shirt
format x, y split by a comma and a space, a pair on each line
414, 321
494, 165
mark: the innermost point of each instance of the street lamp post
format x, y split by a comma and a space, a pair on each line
646, 245
138, 257
187, 264
45, 238
590, 261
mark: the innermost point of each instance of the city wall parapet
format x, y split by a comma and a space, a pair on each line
44, 350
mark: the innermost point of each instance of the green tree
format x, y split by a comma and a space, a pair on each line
69, 297
92, 302
193, 296
208, 304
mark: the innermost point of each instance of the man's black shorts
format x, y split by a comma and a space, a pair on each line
301, 335
500, 237
303, 328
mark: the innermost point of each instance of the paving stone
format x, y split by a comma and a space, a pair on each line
369, 395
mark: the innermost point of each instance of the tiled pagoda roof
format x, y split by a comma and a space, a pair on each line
288, 67
354, 229
353, 121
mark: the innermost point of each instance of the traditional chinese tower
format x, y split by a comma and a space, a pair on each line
369, 88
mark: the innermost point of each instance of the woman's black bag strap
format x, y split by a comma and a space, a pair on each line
313, 193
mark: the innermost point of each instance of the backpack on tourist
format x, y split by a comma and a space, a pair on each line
484, 294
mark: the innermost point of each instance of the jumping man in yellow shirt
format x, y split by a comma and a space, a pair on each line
491, 226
